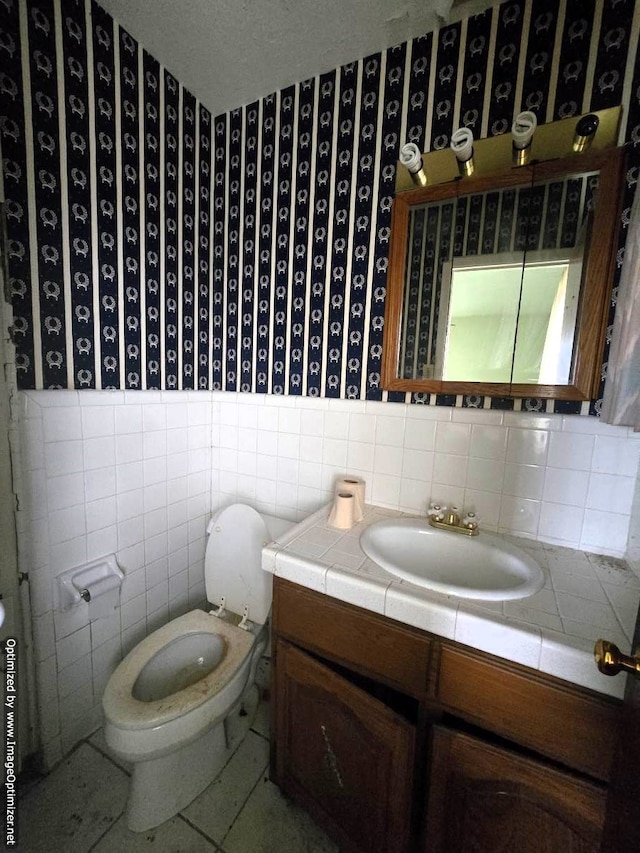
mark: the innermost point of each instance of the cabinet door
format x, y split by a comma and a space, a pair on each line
485, 799
345, 756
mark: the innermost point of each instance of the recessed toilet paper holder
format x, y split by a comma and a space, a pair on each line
84, 583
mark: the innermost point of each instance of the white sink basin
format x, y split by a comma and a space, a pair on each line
483, 566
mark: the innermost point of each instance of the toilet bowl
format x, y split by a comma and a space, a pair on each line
182, 700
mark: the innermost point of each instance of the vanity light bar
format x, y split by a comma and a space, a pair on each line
495, 154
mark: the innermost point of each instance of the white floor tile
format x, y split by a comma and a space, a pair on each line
270, 823
73, 807
215, 810
261, 721
173, 836
80, 808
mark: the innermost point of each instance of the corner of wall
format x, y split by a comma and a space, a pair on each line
633, 545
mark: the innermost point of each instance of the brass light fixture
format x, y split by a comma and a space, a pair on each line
462, 147
411, 158
522, 130
585, 132
528, 142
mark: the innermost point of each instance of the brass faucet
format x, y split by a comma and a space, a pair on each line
448, 518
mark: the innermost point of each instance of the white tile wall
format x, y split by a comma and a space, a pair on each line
633, 545
565, 480
138, 474
109, 472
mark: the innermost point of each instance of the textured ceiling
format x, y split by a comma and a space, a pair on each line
231, 52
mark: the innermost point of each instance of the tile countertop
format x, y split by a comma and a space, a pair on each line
586, 596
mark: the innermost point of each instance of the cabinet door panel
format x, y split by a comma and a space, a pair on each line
344, 755
485, 799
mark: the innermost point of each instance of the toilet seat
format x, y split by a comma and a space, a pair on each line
233, 562
125, 712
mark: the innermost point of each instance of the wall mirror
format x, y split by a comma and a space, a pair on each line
500, 285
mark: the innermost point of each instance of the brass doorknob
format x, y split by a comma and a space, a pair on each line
610, 659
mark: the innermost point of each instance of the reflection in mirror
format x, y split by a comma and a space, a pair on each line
492, 284
429, 250
494, 304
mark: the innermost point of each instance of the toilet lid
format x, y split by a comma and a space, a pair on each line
233, 562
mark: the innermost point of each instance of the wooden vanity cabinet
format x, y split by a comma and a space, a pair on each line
398, 741
490, 799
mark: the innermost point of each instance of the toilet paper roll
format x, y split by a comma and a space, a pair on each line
343, 511
356, 486
105, 596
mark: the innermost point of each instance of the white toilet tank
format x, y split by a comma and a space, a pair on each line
233, 560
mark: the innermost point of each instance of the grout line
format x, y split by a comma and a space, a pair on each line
107, 830
262, 778
200, 832
103, 753
627, 634
259, 734
26, 786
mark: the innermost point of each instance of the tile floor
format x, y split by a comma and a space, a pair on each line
80, 807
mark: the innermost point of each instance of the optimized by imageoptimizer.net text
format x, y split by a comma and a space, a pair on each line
10, 728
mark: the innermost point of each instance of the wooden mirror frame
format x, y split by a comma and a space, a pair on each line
596, 283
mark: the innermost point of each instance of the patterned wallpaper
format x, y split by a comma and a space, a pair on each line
152, 245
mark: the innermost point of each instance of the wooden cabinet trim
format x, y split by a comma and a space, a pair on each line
537, 711
365, 642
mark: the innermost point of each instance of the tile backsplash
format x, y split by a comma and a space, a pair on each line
139, 473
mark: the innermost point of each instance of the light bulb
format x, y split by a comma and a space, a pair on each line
411, 159
522, 130
462, 147
585, 131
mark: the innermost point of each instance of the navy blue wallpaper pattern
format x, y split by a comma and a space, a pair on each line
152, 245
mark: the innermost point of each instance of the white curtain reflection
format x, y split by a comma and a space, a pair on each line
621, 402
556, 354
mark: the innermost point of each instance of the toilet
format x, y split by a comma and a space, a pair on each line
181, 701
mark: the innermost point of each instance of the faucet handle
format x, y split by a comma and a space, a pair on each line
436, 511
470, 521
